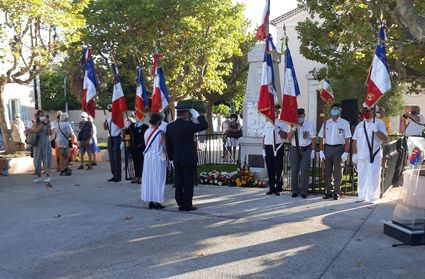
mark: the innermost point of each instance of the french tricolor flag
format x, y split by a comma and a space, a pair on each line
262, 30
160, 99
291, 91
119, 105
89, 83
378, 81
326, 93
267, 96
142, 100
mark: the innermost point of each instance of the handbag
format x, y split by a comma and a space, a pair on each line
53, 141
33, 138
69, 141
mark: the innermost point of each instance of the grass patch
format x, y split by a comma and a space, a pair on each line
102, 145
219, 168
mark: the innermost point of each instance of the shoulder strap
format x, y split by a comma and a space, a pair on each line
59, 126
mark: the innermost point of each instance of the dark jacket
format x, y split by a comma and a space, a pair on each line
181, 146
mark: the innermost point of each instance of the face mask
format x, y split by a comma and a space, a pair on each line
335, 112
300, 120
378, 115
42, 118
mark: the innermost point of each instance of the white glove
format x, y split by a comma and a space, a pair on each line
374, 127
294, 128
313, 154
355, 159
172, 164
322, 155
122, 145
194, 113
344, 156
264, 153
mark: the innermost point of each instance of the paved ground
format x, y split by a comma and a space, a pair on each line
85, 227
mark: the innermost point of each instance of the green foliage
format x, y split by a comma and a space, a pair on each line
52, 92
221, 109
345, 39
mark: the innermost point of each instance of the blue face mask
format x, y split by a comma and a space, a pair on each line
300, 120
335, 112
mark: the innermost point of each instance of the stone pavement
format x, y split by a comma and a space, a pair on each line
85, 227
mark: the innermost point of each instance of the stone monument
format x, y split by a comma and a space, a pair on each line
253, 122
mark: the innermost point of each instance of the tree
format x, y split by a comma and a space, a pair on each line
52, 87
32, 33
342, 35
197, 38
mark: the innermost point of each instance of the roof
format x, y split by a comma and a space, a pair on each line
287, 15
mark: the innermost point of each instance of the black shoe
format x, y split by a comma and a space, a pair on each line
269, 193
67, 173
190, 208
117, 180
81, 167
180, 208
62, 173
133, 181
304, 196
336, 197
94, 164
294, 195
327, 196
159, 206
277, 193
152, 205
111, 179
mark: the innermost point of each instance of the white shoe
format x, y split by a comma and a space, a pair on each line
38, 180
359, 200
48, 179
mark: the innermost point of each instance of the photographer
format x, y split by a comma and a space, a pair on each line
233, 133
415, 122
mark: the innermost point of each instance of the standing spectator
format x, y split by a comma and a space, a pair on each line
181, 148
114, 147
233, 133
224, 127
334, 148
137, 146
367, 155
43, 151
95, 147
64, 135
273, 136
85, 137
54, 131
18, 133
415, 122
155, 164
303, 144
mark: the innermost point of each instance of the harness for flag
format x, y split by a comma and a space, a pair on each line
119, 105
291, 90
267, 97
160, 99
262, 31
89, 83
326, 92
142, 100
378, 80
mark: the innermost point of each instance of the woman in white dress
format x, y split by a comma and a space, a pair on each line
155, 164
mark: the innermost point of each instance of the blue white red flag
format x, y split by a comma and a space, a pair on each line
267, 97
142, 100
160, 99
119, 105
89, 83
326, 93
262, 31
291, 91
378, 81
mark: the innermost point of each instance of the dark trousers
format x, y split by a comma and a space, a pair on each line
114, 151
274, 166
137, 156
333, 166
185, 180
300, 164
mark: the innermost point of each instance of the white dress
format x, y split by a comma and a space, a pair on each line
154, 169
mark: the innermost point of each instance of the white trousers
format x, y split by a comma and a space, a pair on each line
369, 182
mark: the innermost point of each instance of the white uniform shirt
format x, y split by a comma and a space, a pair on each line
114, 129
360, 136
306, 132
336, 131
414, 129
268, 132
163, 126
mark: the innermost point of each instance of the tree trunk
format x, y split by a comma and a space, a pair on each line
209, 116
8, 144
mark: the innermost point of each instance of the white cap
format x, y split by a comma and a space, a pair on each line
109, 107
84, 114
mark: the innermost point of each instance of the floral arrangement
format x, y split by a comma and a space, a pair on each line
242, 178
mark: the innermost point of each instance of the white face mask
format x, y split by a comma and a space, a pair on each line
42, 118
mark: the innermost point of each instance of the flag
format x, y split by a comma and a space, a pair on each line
89, 83
118, 100
378, 81
160, 97
326, 92
142, 100
263, 29
291, 91
267, 95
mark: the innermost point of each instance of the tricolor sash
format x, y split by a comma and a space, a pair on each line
151, 138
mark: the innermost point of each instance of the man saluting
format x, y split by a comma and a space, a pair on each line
181, 149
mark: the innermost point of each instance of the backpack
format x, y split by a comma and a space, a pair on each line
85, 132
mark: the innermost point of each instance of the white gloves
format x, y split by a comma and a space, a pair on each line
194, 113
172, 164
355, 159
373, 127
322, 155
344, 156
264, 153
122, 145
313, 154
294, 128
